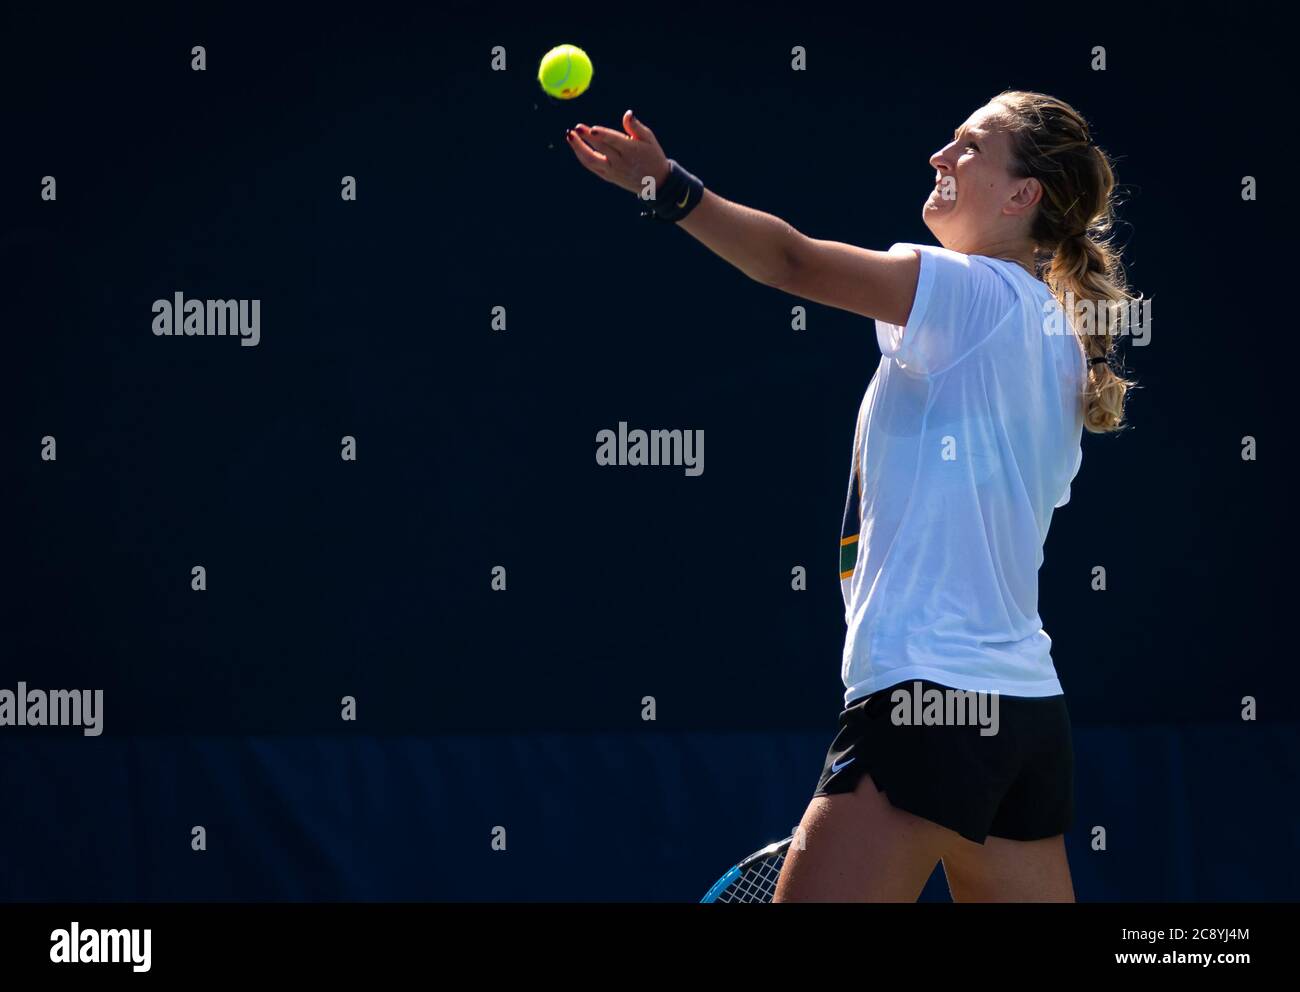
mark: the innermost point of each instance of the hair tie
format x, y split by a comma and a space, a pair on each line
1095, 361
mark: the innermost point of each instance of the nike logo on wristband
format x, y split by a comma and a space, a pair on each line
684, 199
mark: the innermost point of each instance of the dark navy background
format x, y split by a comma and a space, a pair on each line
476, 448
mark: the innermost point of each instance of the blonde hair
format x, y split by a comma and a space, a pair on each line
1072, 231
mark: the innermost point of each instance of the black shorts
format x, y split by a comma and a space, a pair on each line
1016, 782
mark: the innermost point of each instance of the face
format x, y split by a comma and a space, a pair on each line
976, 203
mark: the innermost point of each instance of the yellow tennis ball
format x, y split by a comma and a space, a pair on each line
565, 71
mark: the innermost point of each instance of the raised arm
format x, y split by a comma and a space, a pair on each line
764, 247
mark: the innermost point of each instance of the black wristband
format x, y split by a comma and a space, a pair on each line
680, 193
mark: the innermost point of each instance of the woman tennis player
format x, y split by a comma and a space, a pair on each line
968, 438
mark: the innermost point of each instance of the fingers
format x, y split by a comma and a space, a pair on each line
622, 159
593, 160
633, 126
603, 139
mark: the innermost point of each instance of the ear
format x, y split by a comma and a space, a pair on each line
1025, 195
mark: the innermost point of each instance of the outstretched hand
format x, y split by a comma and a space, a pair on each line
622, 159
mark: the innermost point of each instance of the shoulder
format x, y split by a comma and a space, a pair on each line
955, 271
964, 281
930, 255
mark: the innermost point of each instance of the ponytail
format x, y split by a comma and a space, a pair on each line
1052, 143
1085, 277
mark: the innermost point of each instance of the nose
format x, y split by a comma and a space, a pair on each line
939, 160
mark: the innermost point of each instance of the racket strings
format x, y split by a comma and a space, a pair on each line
756, 883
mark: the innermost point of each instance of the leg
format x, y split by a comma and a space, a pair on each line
859, 848
1002, 870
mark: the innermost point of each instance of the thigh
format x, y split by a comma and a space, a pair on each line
859, 848
1002, 870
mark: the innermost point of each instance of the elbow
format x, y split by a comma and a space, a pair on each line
784, 269
779, 279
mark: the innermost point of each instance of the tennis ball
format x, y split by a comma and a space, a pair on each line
565, 71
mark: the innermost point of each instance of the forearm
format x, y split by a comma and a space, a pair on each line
758, 244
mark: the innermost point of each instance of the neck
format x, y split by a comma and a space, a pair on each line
1017, 251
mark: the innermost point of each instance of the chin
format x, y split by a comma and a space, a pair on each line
931, 217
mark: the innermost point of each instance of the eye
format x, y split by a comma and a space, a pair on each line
971, 144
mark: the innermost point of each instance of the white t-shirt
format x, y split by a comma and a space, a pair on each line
969, 437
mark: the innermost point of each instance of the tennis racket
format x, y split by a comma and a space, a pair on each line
754, 878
